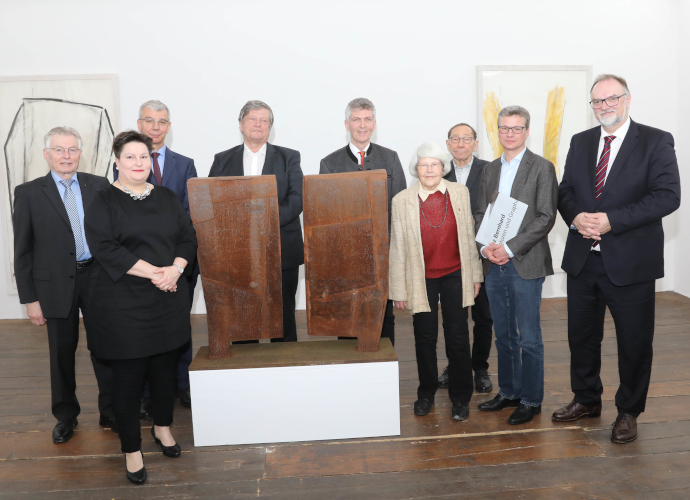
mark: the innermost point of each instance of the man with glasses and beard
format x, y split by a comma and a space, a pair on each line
619, 181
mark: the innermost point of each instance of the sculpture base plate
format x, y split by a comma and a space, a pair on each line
294, 391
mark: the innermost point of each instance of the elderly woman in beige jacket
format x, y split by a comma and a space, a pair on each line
433, 255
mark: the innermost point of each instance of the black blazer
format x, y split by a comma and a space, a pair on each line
44, 262
643, 186
473, 181
284, 163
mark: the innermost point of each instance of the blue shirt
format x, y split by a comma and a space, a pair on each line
161, 159
76, 189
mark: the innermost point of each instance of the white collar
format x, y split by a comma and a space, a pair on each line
424, 194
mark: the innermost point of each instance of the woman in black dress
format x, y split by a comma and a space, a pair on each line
142, 240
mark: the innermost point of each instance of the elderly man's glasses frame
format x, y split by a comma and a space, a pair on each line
150, 121
612, 101
516, 130
466, 139
61, 151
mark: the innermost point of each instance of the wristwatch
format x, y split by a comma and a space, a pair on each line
181, 269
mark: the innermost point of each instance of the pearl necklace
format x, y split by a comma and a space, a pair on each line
134, 195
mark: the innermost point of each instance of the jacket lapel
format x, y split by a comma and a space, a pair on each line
592, 160
234, 165
169, 168
86, 191
51, 191
413, 214
628, 145
270, 160
474, 175
521, 175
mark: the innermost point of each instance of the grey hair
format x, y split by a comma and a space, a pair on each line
62, 131
359, 103
607, 76
154, 105
252, 105
429, 150
514, 111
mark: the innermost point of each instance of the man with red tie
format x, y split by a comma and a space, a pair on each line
361, 154
170, 170
620, 180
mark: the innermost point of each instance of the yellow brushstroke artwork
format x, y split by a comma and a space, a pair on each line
555, 105
492, 107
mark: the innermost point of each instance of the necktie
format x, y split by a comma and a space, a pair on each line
361, 157
71, 206
157, 169
600, 176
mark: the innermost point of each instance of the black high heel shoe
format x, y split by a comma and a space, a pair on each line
169, 451
138, 477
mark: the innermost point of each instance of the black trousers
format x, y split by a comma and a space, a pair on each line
290, 282
456, 333
63, 338
632, 308
128, 377
482, 332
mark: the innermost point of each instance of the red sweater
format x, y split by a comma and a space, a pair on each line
441, 251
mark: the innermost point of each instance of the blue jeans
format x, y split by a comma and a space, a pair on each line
514, 304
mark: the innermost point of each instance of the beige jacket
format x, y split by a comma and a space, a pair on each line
406, 264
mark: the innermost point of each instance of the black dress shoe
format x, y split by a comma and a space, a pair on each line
624, 429
422, 407
106, 421
482, 382
138, 477
185, 397
443, 379
498, 403
144, 411
574, 411
523, 414
461, 411
173, 451
64, 430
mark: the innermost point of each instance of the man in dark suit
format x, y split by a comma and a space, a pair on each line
52, 264
255, 156
467, 170
361, 154
171, 170
619, 181
515, 270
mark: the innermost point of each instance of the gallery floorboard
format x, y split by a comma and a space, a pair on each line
434, 457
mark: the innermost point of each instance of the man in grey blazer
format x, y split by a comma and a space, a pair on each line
467, 170
515, 270
361, 154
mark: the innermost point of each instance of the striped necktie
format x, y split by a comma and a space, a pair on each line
71, 206
600, 177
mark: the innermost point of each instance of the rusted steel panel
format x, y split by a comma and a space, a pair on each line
238, 230
346, 255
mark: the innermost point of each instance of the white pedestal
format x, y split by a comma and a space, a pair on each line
314, 398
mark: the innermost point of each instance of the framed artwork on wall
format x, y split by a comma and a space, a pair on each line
29, 107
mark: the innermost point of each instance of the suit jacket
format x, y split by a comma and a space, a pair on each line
536, 185
406, 269
44, 251
378, 157
643, 186
473, 180
177, 171
284, 163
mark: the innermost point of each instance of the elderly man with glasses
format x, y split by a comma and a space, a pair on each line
620, 180
515, 271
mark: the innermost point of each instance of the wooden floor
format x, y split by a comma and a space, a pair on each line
434, 457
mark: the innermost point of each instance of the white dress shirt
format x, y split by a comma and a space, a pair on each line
355, 151
254, 162
463, 173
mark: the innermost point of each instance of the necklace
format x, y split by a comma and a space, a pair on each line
134, 195
444, 216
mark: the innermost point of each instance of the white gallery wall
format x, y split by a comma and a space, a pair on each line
416, 60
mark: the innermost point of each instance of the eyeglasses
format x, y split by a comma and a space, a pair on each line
429, 166
151, 121
466, 139
61, 151
516, 130
611, 101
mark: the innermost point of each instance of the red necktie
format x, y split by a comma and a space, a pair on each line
361, 160
157, 169
600, 176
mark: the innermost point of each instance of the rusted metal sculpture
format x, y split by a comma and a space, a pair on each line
238, 230
346, 255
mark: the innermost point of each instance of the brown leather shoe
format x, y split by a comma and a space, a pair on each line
574, 411
624, 429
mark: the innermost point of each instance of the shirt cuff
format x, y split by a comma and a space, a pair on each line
481, 251
510, 254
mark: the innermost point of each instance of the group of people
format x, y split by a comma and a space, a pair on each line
124, 254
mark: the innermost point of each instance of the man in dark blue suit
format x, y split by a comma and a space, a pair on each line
255, 156
619, 181
467, 170
171, 170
